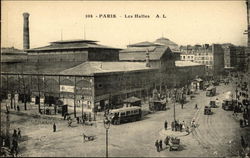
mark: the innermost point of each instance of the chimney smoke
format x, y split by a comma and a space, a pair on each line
26, 36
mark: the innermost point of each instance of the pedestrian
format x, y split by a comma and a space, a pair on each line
245, 122
166, 125
241, 123
180, 125
54, 127
183, 125
18, 108
160, 145
14, 147
78, 120
243, 143
157, 145
166, 141
187, 130
193, 123
182, 105
19, 133
7, 108
196, 106
15, 136
172, 126
64, 116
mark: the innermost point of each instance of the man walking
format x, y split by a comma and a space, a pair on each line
54, 127
19, 133
166, 141
157, 145
160, 145
166, 125
172, 126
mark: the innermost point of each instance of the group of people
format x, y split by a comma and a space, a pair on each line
158, 145
241, 93
178, 126
167, 142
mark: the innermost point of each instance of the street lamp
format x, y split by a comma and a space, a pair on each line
174, 102
106, 123
82, 105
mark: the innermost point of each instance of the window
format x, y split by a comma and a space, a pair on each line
122, 113
128, 113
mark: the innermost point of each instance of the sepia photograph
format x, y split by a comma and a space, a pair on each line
125, 78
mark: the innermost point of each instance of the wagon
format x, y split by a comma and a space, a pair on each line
174, 144
213, 104
157, 105
207, 110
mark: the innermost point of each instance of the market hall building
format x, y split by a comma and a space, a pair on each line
95, 83
84, 74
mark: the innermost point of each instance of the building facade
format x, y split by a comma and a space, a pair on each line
212, 56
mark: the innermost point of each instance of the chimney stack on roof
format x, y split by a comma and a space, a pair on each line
147, 59
26, 36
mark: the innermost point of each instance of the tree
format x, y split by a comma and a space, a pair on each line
24, 88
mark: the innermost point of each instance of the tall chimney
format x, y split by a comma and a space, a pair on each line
26, 34
147, 59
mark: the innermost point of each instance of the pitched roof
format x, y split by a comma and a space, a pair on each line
11, 51
167, 42
71, 44
131, 100
139, 54
90, 68
144, 44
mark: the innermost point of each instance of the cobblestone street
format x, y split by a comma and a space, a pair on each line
216, 135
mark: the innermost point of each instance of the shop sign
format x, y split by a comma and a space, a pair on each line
66, 88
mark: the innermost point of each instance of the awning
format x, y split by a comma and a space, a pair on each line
131, 100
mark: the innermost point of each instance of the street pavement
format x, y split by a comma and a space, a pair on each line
216, 135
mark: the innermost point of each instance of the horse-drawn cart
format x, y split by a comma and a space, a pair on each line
174, 144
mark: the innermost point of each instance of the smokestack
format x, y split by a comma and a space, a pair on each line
26, 33
147, 59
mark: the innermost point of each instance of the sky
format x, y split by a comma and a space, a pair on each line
186, 22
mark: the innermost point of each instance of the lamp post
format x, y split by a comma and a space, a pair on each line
106, 123
82, 105
174, 102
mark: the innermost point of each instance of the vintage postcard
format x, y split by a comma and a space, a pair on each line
125, 79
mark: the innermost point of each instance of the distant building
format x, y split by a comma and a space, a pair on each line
12, 55
61, 55
229, 56
158, 56
73, 51
187, 71
168, 43
210, 55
